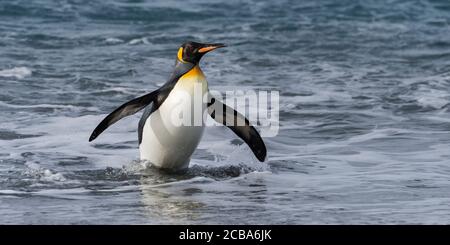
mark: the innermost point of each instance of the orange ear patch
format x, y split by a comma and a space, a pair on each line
180, 55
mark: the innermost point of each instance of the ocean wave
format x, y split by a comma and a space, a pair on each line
17, 72
113, 40
135, 41
364, 102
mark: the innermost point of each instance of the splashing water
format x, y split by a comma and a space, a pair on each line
364, 112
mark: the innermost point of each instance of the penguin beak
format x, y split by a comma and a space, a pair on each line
209, 47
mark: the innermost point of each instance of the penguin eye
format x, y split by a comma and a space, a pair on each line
188, 50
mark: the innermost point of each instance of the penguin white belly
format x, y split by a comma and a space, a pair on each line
169, 135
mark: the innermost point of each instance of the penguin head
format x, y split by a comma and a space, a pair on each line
192, 52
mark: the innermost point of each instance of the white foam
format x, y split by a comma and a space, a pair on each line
49, 176
11, 192
43, 173
435, 98
135, 41
113, 40
69, 136
55, 106
17, 72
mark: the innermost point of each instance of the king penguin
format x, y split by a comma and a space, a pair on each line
169, 145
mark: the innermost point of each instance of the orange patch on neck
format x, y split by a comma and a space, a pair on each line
194, 73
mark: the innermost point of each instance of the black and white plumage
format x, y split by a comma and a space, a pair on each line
166, 143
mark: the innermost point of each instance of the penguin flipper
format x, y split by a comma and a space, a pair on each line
239, 125
122, 111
